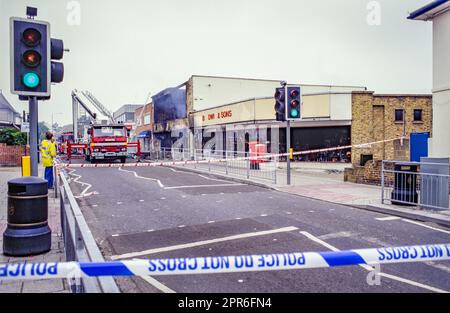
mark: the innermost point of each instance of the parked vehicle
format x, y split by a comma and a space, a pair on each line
107, 142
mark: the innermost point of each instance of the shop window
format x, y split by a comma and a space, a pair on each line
399, 115
418, 115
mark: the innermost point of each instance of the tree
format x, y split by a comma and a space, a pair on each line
13, 137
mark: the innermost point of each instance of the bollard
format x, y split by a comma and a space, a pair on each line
26, 166
27, 232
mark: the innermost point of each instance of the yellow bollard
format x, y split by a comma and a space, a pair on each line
26, 166
291, 151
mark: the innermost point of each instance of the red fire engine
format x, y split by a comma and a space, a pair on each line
107, 142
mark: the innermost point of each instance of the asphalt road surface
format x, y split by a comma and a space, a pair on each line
136, 212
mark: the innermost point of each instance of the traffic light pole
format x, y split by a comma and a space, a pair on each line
288, 147
33, 109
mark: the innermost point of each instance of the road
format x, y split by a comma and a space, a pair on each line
163, 212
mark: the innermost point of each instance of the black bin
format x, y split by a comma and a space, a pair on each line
405, 184
27, 232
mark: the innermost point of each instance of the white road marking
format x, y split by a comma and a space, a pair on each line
263, 215
141, 200
181, 226
341, 234
163, 198
150, 230
204, 242
288, 213
240, 281
426, 226
147, 178
387, 218
439, 266
157, 284
95, 205
204, 186
311, 211
119, 202
238, 218
89, 186
115, 235
205, 177
210, 222
369, 268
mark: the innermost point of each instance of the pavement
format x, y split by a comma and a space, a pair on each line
325, 182
56, 254
163, 212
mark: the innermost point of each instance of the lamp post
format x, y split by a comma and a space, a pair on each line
53, 130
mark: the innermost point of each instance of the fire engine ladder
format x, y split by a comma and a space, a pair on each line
99, 106
76, 101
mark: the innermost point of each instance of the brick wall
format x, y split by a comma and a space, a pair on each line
12, 155
368, 174
373, 119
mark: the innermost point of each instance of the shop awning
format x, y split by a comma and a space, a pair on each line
145, 134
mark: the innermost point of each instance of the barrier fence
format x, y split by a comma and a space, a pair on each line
79, 245
224, 264
421, 184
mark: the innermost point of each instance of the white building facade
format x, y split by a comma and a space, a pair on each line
439, 13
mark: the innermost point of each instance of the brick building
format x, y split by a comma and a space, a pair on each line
383, 117
144, 126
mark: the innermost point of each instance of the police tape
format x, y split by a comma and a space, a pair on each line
222, 160
226, 264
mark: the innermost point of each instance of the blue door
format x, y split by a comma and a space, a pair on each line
418, 146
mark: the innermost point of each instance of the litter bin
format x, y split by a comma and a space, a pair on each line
405, 184
27, 232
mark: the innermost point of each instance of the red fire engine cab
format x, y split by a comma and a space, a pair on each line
107, 142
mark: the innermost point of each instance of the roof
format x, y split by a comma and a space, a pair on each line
127, 108
430, 10
272, 80
4, 104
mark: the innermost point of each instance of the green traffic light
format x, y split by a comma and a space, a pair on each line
31, 80
294, 113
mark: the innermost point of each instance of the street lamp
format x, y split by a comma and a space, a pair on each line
52, 128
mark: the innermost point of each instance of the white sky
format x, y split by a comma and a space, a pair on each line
122, 50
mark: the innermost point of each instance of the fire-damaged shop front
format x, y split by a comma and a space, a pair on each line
170, 112
209, 113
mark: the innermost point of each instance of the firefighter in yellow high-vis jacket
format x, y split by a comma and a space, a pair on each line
48, 153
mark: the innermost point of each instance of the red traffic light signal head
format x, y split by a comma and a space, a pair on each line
31, 37
294, 93
295, 103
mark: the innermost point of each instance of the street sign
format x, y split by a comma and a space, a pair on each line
25, 127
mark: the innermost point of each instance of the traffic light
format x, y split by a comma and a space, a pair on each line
280, 104
293, 103
30, 57
56, 53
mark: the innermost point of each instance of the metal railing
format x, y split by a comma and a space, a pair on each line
264, 167
79, 244
421, 184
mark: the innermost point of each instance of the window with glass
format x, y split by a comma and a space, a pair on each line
418, 115
399, 115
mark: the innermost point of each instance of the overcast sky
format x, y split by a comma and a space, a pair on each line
123, 50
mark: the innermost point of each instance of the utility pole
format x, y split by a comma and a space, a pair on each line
288, 150
33, 109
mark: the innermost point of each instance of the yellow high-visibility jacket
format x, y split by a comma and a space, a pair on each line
48, 152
